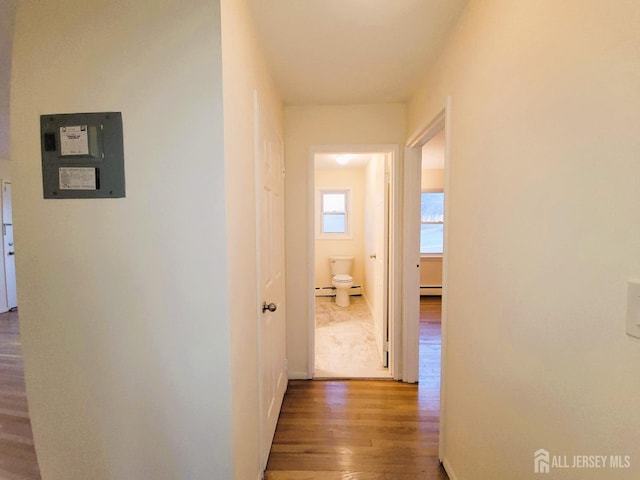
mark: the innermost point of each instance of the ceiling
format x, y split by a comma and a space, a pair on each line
351, 51
330, 161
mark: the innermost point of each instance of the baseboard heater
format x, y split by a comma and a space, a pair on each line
331, 291
430, 290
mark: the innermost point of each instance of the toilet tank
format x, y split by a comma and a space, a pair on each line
340, 265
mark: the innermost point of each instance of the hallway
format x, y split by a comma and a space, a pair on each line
374, 430
368, 430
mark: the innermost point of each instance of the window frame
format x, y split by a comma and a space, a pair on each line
432, 254
320, 213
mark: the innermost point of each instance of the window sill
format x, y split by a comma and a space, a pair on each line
431, 255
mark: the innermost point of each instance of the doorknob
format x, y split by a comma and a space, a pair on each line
12, 253
271, 307
373, 255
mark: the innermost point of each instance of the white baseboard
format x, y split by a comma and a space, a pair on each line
449, 469
437, 291
331, 291
298, 375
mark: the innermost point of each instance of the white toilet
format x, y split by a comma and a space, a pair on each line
342, 280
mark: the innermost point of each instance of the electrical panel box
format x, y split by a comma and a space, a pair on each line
82, 155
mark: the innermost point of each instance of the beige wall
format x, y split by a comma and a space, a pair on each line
432, 179
431, 271
124, 312
347, 178
244, 71
306, 127
431, 267
543, 233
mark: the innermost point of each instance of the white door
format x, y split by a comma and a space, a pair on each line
270, 228
10, 267
7, 216
380, 258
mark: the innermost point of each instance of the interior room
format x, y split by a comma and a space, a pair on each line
432, 215
351, 232
161, 329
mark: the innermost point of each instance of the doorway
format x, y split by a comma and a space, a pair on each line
426, 230
352, 212
8, 294
8, 248
432, 222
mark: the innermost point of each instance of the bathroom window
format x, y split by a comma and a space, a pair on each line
432, 222
334, 213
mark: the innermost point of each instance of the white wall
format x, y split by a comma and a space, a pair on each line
544, 202
344, 178
7, 15
243, 72
306, 127
123, 302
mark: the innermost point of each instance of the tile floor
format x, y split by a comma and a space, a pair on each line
345, 341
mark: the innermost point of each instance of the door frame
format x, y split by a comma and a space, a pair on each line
392, 152
411, 280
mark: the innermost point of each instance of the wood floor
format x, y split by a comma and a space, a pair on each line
374, 430
17, 454
329, 430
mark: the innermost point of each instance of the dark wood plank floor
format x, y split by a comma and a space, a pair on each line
374, 430
17, 454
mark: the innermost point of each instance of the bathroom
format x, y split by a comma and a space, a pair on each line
351, 205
